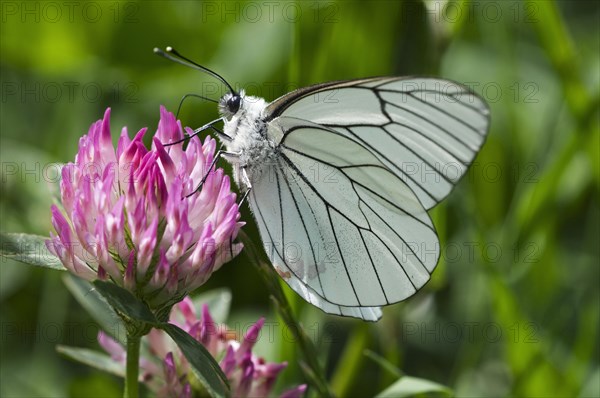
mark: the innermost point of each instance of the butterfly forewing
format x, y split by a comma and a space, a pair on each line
427, 131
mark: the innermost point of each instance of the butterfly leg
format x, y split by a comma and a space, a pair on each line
219, 153
221, 134
197, 131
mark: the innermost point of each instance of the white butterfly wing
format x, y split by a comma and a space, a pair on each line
360, 163
344, 232
427, 131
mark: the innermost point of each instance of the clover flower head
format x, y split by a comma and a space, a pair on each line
134, 215
167, 373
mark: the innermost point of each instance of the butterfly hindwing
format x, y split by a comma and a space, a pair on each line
344, 232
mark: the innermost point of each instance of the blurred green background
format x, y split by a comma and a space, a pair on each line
513, 307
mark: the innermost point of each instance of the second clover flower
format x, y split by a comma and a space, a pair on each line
167, 373
131, 215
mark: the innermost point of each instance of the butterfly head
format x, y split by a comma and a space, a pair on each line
230, 104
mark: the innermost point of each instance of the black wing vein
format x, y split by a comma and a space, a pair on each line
301, 175
461, 121
440, 128
401, 238
455, 96
382, 156
337, 243
305, 229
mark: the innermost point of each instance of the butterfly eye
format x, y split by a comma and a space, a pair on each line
233, 104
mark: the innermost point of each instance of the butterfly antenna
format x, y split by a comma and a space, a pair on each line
173, 55
195, 96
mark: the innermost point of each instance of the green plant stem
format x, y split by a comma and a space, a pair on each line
310, 366
133, 365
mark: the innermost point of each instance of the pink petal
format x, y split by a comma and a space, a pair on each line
296, 392
209, 331
123, 143
186, 306
165, 160
146, 248
112, 347
107, 151
67, 190
250, 338
228, 362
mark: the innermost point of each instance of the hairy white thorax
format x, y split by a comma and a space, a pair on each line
248, 131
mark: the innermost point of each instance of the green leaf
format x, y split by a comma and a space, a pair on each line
97, 306
409, 386
124, 302
206, 369
29, 249
94, 359
218, 301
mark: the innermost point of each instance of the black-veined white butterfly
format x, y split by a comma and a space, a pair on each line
340, 175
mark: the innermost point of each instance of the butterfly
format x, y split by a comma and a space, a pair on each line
339, 177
